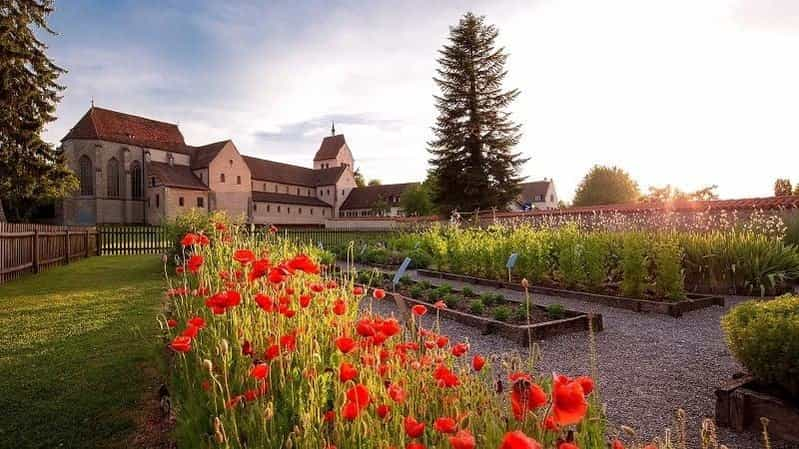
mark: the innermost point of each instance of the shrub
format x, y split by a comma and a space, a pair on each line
451, 300
764, 336
667, 258
468, 292
556, 311
633, 261
416, 291
442, 290
519, 314
595, 260
502, 313
487, 299
477, 307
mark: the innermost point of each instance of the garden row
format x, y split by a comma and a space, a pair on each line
661, 266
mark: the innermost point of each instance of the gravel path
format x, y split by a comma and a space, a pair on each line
649, 364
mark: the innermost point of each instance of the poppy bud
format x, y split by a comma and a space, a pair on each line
223, 347
525, 284
208, 365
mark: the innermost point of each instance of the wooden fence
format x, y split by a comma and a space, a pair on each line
328, 238
133, 240
31, 248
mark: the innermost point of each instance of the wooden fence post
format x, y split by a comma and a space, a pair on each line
66, 233
36, 250
86, 243
98, 241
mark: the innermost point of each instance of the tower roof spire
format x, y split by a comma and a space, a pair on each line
332, 128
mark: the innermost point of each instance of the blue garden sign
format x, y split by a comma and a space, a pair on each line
512, 261
401, 270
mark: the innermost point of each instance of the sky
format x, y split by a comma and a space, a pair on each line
682, 92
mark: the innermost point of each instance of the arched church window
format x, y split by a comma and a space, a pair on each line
86, 176
112, 174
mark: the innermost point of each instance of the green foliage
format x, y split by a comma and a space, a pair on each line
606, 185
519, 314
667, 257
556, 311
193, 220
477, 307
569, 253
492, 299
633, 261
416, 291
451, 300
792, 228
442, 290
764, 336
472, 149
32, 171
467, 291
782, 187
596, 259
416, 201
501, 313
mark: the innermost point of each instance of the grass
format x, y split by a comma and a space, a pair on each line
77, 352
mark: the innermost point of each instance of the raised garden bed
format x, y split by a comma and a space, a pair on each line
493, 314
673, 308
741, 402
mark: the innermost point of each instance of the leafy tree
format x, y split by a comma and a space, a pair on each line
669, 193
380, 207
796, 190
359, 179
375, 182
605, 185
32, 171
416, 200
474, 136
782, 187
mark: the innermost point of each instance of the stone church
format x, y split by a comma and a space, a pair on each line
134, 170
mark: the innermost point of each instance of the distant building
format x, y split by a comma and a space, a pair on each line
137, 170
536, 195
375, 201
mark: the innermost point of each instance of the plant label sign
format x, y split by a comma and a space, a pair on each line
401, 270
511, 261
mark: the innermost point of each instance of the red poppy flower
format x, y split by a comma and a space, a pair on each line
347, 372
317, 288
276, 275
518, 440
526, 396
272, 352
303, 263
246, 348
440, 305
203, 240
568, 401
244, 256
288, 342
587, 383
259, 268
415, 445
305, 301
567, 445
197, 322
460, 349
350, 411
419, 310
442, 341
330, 415
364, 328
259, 371
194, 263
265, 302
396, 393
339, 307
359, 394
478, 362
616, 444
462, 440
189, 239
357, 290
179, 269
379, 293
390, 327
445, 424
383, 410
345, 344
171, 323
549, 424
190, 331
413, 428
181, 344
445, 376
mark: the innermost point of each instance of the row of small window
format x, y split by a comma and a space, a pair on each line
540, 198
222, 178
288, 209
181, 201
325, 192
362, 213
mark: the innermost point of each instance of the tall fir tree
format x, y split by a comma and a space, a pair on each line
32, 171
473, 161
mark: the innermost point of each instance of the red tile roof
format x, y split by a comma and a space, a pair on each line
264, 170
179, 176
329, 147
284, 198
113, 126
365, 197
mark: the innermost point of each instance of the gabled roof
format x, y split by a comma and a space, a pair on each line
284, 198
179, 176
529, 190
264, 170
330, 147
113, 126
205, 154
365, 197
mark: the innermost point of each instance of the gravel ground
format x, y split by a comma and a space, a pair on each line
649, 364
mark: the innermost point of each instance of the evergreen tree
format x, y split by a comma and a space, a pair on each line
32, 171
359, 179
473, 159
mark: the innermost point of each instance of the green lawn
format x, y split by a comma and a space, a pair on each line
78, 352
